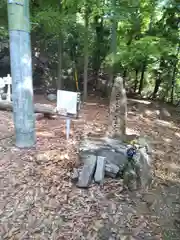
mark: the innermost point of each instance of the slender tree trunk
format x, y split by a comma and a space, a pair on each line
146, 59
174, 74
21, 71
136, 80
157, 85
60, 53
141, 84
124, 76
85, 86
158, 79
98, 20
125, 73
113, 45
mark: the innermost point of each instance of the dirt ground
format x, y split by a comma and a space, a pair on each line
38, 200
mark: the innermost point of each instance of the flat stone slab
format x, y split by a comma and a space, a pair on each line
111, 170
100, 170
115, 158
94, 144
113, 150
75, 175
87, 172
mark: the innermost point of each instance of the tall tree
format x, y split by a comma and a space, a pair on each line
174, 73
99, 28
60, 53
21, 71
113, 41
86, 31
146, 32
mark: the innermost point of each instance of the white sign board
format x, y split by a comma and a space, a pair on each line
2, 83
67, 102
8, 79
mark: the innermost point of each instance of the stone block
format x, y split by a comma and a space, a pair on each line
100, 169
87, 172
111, 170
75, 175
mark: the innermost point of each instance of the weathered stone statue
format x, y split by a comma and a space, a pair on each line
117, 110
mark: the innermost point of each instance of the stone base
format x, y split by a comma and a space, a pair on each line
110, 159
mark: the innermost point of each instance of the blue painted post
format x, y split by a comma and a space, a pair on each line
68, 127
21, 72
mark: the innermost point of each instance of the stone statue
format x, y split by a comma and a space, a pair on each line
117, 110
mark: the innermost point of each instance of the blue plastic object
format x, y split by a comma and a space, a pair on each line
131, 152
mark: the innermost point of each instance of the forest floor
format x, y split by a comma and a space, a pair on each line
38, 200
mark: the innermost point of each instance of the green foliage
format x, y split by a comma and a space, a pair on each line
3, 20
147, 32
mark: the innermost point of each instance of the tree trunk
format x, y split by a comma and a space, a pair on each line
98, 20
158, 79
21, 72
113, 44
142, 77
60, 53
136, 80
157, 85
86, 55
117, 110
146, 59
174, 74
124, 76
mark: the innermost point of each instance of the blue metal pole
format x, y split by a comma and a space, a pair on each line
68, 126
21, 72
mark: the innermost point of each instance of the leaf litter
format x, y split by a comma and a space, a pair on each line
39, 201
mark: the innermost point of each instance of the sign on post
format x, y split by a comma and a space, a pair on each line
67, 102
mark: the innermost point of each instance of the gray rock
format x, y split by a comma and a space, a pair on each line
111, 170
4, 96
114, 151
90, 145
143, 168
87, 172
144, 142
39, 116
95, 144
115, 158
116, 144
165, 113
86, 157
100, 170
75, 175
51, 97
129, 179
